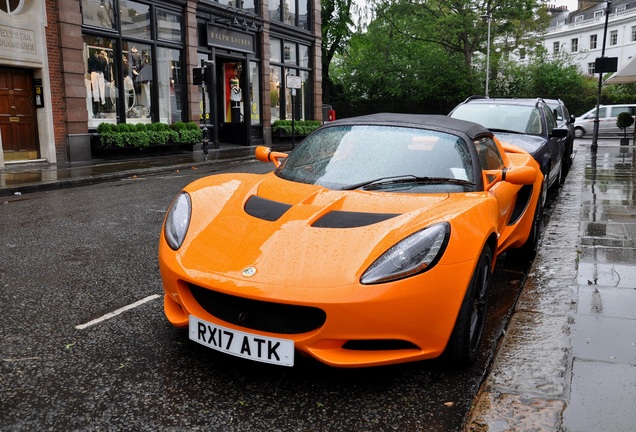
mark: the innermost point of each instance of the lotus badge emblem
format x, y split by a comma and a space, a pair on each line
249, 271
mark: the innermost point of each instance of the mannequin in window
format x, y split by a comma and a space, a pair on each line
236, 95
97, 65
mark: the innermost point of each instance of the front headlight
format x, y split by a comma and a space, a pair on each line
178, 220
415, 254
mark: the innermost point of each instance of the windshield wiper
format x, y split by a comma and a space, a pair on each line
406, 179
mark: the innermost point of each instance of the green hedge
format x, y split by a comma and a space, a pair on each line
301, 127
141, 135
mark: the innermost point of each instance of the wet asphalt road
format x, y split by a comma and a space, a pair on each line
71, 256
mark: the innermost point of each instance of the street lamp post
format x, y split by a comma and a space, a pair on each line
487, 18
594, 146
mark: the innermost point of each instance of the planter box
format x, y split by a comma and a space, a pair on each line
152, 150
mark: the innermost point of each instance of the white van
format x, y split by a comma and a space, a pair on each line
607, 114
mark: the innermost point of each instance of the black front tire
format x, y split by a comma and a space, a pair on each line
465, 340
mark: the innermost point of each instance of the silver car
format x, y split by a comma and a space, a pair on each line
584, 125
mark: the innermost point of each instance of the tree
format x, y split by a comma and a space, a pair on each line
458, 27
337, 27
385, 68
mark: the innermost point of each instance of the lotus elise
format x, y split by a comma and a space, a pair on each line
371, 243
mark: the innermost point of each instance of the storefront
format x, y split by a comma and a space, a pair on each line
250, 58
67, 67
133, 62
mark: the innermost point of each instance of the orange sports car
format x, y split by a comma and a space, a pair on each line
371, 243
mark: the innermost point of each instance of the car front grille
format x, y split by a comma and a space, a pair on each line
259, 315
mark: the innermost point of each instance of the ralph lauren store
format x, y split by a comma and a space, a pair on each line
124, 61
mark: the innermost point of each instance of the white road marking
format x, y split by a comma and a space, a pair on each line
112, 314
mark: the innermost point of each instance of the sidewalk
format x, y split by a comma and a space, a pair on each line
17, 179
568, 359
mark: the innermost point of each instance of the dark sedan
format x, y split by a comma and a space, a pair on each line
527, 123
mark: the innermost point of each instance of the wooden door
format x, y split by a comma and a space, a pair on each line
18, 125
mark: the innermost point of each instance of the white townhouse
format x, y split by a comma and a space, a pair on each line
580, 33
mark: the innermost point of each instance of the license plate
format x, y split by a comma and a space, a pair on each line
237, 343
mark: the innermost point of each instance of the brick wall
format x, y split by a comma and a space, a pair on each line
67, 70
57, 91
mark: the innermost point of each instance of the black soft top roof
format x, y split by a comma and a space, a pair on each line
426, 121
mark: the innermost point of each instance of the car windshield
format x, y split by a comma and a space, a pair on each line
381, 157
502, 117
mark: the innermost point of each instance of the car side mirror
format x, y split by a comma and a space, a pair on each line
559, 133
572, 119
521, 175
265, 154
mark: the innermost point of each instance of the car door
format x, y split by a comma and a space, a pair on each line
505, 193
556, 145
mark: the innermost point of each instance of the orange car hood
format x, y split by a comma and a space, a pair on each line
223, 239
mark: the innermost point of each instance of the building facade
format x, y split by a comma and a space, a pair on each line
68, 65
580, 33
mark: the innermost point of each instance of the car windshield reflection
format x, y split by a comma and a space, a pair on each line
505, 118
341, 156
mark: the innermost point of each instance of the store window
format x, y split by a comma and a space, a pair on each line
134, 69
255, 93
102, 96
275, 88
138, 80
293, 61
169, 80
288, 98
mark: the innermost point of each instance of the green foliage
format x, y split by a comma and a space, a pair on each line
623, 121
301, 127
142, 135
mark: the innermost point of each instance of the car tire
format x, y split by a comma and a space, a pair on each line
579, 132
465, 340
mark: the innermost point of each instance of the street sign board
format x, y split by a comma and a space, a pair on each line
293, 82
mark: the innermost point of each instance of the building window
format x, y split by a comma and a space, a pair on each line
169, 81
555, 47
621, 8
633, 33
255, 93
293, 61
593, 41
579, 18
575, 44
599, 14
613, 37
591, 68
135, 19
290, 12
12, 7
98, 13
135, 75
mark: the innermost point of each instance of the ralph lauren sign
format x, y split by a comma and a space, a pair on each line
222, 37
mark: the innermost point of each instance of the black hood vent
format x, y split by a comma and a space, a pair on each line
346, 219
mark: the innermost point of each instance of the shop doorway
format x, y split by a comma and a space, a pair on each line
18, 125
231, 85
